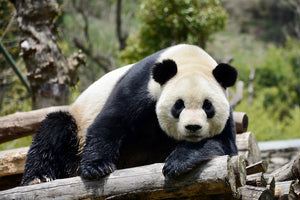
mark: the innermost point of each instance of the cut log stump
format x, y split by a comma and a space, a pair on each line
248, 147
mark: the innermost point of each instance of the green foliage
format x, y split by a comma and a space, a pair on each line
164, 23
278, 77
266, 126
21, 142
275, 112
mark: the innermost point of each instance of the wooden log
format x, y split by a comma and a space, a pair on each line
249, 192
241, 122
257, 167
12, 161
284, 190
21, 124
271, 185
213, 177
248, 147
257, 179
239, 168
290, 171
296, 188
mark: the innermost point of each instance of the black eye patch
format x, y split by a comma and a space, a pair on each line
208, 108
177, 108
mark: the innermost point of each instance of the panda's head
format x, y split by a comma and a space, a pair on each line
192, 104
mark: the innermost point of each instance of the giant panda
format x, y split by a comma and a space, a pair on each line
170, 107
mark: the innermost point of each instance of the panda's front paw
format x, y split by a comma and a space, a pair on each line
95, 170
175, 166
174, 169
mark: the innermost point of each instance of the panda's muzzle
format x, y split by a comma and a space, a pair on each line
192, 128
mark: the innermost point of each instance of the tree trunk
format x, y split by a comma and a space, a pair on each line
49, 72
121, 37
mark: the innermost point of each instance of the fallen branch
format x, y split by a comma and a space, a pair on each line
257, 167
249, 192
24, 123
257, 179
12, 161
147, 182
296, 188
285, 190
290, 171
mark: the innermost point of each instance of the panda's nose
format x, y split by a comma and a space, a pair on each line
193, 127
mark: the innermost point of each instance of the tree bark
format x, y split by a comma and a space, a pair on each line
249, 192
290, 171
257, 167
257, 179
285, 191
121, 37
239, 168
147, 182
48, 71
12, 161
24, 123
248, 147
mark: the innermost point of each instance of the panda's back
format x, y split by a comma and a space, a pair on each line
90, 103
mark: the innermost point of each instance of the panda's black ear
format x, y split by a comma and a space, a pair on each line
164, 71
225, 74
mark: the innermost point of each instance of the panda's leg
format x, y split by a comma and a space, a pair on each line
53, 153
103, 142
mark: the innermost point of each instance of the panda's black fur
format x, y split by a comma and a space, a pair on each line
125, 133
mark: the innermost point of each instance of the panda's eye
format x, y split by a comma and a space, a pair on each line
177, 108
208, 108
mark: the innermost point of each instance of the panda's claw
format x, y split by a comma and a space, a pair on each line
96, 172
110, 169
174, 168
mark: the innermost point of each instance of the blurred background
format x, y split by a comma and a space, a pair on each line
261, 38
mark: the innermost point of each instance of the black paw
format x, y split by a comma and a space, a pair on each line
174, 167
95, 170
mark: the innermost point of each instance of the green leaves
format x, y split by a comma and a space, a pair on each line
165, 23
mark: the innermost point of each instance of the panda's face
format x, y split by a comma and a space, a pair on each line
192, 107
